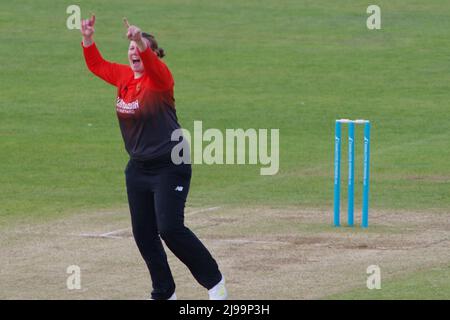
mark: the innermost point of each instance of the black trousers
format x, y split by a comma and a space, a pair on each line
157, 192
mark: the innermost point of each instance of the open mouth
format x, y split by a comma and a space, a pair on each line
135, 61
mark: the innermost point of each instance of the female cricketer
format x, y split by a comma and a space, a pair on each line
157, 188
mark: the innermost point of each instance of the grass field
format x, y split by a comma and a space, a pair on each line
292, 65
429, 284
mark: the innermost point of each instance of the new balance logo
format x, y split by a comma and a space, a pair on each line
179, 188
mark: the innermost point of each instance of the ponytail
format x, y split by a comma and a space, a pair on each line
154, 44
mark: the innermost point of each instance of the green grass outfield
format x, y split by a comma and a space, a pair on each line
431, 284
292, 65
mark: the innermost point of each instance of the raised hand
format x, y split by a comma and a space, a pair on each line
135, 34
87, 30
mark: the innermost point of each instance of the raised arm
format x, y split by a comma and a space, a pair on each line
108, 71
157, 71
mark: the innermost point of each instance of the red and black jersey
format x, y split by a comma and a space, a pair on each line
145, 106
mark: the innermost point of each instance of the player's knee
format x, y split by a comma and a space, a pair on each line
171, 232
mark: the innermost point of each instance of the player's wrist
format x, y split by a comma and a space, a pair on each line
141, 44
88, 41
